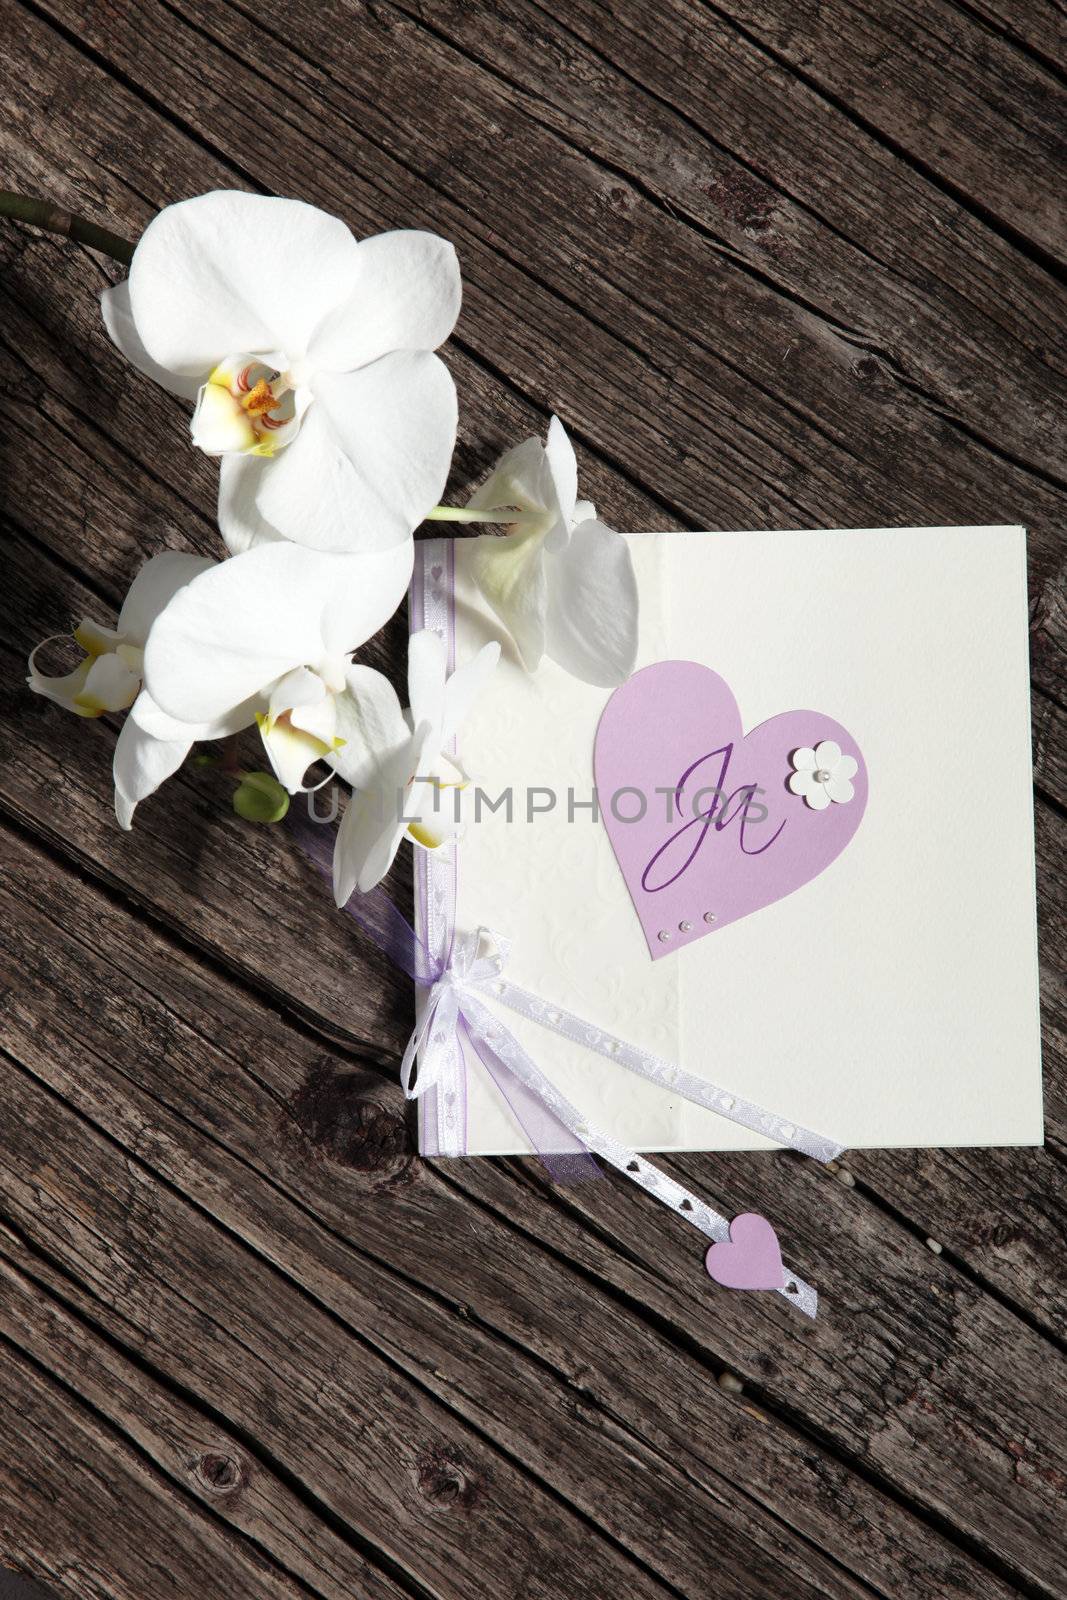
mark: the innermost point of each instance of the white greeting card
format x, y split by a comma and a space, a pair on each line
850, 938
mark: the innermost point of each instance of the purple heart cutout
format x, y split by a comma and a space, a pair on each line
750, 1259
703, 824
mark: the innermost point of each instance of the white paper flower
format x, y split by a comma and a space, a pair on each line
396, 760
562, 583
822, 775
310, 355
150, 746
268, 635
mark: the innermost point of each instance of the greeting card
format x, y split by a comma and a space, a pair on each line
790, 855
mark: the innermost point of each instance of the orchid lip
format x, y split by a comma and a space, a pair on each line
249, 406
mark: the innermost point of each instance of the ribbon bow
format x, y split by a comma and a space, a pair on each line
435, 1039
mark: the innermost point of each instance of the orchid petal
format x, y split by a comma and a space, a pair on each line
154, 720
374, 823
94, 638
366, 845
591, 627
510, 572
563, 467
406, 297
109, 686
235, 629
371, 458
427, 670
521, 478
464, 687
118, 320
319, 720
292, 750
154, 588
64, 688
371, 723
231, 271
221, 426
311, 493
142, 762
434, 804
241, 522
301, 687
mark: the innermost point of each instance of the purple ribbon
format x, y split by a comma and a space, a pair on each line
453, 1013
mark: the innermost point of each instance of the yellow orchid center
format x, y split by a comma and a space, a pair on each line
245, 408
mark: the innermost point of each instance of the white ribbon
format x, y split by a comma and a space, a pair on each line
457, 996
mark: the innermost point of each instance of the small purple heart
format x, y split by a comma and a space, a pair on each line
435, 573
750, 1259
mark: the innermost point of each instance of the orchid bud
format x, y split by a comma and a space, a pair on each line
259, 797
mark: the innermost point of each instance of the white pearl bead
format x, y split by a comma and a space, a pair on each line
821, 775
664, 936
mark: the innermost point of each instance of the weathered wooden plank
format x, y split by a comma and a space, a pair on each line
1050, 748
203, 1095
711, 129
1039, 26
655, 1512
985, 117
914, 1333
215, 1318
705, 358
81, 1508
221, 1480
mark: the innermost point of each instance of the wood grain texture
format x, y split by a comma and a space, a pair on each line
777, 265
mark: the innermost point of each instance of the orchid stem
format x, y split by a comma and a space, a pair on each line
465, 514
43, 214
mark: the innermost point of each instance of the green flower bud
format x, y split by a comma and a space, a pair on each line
259, 797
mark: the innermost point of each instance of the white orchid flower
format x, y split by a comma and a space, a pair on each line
267, 637
560, 580
150, 746
310, 358
397, 762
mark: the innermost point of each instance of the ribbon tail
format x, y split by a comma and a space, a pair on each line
561, 1152
433, 1042
488, 1034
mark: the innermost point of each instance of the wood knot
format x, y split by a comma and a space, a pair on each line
219, 1472
341, 1121
868, 368
445, 1479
